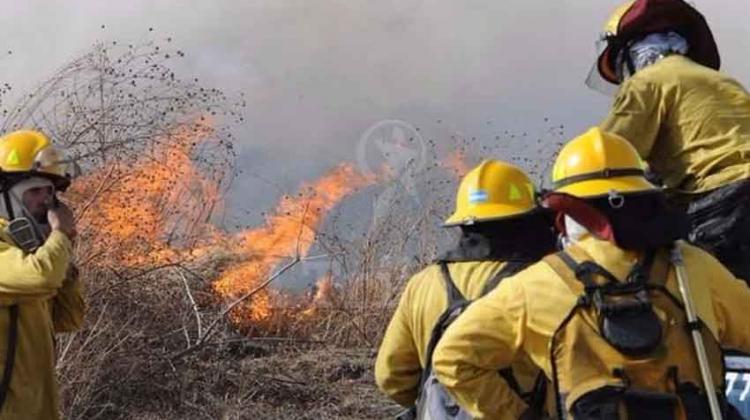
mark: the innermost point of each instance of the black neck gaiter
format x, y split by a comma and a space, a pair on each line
526, 238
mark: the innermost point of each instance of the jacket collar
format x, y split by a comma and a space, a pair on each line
616, 260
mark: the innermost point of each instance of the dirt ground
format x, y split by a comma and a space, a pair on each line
250, 381
310, 384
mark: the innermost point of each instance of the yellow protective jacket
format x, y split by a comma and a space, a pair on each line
691, 123
402, 354
519, 318
48, 302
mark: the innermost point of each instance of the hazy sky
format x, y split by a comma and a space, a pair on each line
318, 73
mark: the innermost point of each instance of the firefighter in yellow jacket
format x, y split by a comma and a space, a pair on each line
603, 318
39, 290
687, 119
502, 231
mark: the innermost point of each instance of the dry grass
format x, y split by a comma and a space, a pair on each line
122, 365
156, 343
138, 355
145, 353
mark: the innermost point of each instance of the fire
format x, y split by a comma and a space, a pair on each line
456, 162
155, 210
290, 231
138, 211
325, 291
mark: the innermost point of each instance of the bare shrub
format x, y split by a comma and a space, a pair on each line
157, 156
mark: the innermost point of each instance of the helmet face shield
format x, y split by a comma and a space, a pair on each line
596, 82
594, 79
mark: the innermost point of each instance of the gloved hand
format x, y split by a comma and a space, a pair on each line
61, 218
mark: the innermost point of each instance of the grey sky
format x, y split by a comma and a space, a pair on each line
318, 73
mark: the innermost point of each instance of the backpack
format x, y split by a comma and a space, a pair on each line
624, 350
434, 402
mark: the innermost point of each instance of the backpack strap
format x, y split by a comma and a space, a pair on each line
585, 271
456, 301
566, 267
659, 270
643, 274
510, 268
510, 378
454, 295
10, 355
537, 397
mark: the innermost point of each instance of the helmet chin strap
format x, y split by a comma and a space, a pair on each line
8, 204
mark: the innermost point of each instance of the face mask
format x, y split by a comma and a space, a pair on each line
574, 232
649, 50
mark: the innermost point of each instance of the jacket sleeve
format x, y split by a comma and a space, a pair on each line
484, 339
637, 114
397, 368
68, 306
730, 299
38, 273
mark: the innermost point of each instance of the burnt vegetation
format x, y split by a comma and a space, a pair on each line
156, 156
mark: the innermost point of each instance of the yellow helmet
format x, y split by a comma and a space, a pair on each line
26, 153
493, 190
598, 163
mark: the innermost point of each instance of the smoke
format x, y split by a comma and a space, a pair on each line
316, 74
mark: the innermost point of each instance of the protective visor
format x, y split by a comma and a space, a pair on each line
594, 80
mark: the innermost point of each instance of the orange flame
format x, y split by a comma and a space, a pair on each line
289, 231
137, 212
324, 293
156, 211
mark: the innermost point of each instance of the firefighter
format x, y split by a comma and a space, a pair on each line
39, 290
603, 318
689, 121
502, 231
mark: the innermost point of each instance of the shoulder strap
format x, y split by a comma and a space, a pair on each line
584, 272
538, 398
10, 355
659, 270
454, 295
510, 268
511, 380
455, 301
566, 268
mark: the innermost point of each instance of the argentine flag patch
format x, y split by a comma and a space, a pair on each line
478, 196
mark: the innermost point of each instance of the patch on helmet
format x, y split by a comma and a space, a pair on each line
13, 158
478, 196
